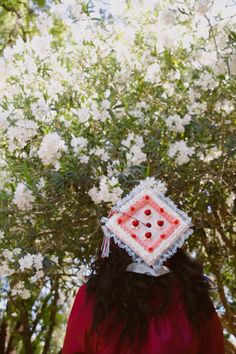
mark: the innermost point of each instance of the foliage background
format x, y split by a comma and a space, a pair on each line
92, 100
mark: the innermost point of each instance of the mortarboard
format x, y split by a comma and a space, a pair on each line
147, 224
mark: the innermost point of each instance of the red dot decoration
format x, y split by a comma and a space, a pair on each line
160, 222
161, 210
150, 249
148, 224
147, 211
135, 222
147, 197
176, 221
133, 236
163, 236
132, 208
148, 234
119, 221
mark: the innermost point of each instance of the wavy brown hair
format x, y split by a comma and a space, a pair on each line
127, 292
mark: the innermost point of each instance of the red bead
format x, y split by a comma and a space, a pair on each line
148, 224
147, 211
133, 235
135, 222
150, 249
176, 221
163, 236
119, 221
161, 210
160, 222
132, 208
148, 234
147, 197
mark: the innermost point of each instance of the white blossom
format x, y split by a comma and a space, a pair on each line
26, 262
153, 73
1, 235
181, 152
83, 158
100, 114
108, 191
176, 123
151, 182
8, 254
79, 143
100, 152
19, 289
39, 274
23, 197
38, 261
51, 149
135, 143
83, 114
19, 134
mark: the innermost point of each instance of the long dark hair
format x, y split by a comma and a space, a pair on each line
127, 292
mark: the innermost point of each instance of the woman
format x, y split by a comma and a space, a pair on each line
145, 295
121, 312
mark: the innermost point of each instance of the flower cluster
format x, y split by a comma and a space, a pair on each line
23, 197
51, 149
109, 191
181, 152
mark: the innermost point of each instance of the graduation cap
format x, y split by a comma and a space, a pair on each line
147, 224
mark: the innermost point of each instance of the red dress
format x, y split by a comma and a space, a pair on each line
170, 333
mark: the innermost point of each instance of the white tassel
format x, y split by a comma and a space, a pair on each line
106, 242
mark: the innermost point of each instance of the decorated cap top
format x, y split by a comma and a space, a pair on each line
148, 225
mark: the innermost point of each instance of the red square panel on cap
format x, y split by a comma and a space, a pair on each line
149, 224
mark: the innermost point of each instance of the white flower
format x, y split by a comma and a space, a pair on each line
19, 134
202, 6
39, 274
4, 114
51, 149
5, 270
181, 151
150, 182
19, 289
38, 261
23, 197
78, 143
99, 114
135, 143
108, 191
83, 159
26, 262
42, 111
16, 251
176, 123
100, 152
153, 73
212, 153
7, 254
1, 235
83, 114
106, 104
25, 294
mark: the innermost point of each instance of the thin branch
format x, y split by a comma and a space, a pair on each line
10, 9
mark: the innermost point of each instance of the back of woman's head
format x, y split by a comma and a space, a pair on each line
129, 294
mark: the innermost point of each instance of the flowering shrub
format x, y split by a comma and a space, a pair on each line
91, 106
